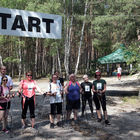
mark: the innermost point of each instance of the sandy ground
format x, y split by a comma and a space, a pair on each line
124, 116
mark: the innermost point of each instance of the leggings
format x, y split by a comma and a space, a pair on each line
99, 99
84, 100
28, 102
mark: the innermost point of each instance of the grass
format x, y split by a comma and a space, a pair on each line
131, 100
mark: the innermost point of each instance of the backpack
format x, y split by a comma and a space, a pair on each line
76, 83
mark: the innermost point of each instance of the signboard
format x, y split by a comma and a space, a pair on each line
30, 24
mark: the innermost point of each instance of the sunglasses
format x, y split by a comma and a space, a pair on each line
54, 77
29, 75
5, 80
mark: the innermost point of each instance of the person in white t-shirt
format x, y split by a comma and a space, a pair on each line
55, 93
119, 72
2, 74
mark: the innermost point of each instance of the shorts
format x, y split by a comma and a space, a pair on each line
73, 105
4, 106
56, 108
118, 75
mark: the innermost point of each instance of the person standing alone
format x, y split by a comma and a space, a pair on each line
119, 72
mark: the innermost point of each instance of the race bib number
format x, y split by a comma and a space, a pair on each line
87, 88
99, 86
30, 87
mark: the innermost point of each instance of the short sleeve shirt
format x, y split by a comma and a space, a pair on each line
99, 84
119, 70
55, 88
86, 87
28, 88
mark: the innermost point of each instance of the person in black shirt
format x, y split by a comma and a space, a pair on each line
60, 79
86, 94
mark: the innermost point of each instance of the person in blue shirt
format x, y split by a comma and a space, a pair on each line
72, 89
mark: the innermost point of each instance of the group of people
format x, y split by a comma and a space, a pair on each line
72, 92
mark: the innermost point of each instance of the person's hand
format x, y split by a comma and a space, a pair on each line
54, 94
66, 92
97, 91
8, 96
18, 94
100, 92
45, 94
13, 95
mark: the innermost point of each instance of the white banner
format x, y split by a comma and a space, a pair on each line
30, 24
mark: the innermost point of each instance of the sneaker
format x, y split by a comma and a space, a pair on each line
5, 131
67, 121
107, 122
92, 115
51, 125
8, 128
23, 127
59, 124
76, 121
99, 120
82, 115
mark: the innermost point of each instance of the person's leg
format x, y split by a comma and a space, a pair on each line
75, 111
83, 104
69, 114
69, 109
90, 104
51, 118
24, 103
103, 102
52, 113
75, 107
97, 104
2, 118
6, 117
32, 110
7, 113
59, 111
1, 114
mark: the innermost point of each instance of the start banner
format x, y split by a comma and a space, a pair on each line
30, 24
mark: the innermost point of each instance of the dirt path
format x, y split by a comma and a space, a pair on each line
124, 115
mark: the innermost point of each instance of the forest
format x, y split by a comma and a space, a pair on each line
90, 29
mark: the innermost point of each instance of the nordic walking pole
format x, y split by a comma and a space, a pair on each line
11, 117
11, 124
99, 96
64, 109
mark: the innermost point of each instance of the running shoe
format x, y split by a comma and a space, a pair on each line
107, 122
51, 125
23, 127
59, 124
99, 120
5, 131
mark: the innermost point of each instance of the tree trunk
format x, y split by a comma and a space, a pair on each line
36, 56
53, 66
81, 38
59, 62
68, 30
1, 63
20, 60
